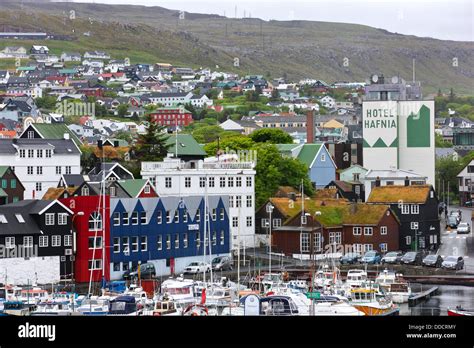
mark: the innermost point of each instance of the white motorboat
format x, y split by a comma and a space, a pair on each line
394, 285
94, 306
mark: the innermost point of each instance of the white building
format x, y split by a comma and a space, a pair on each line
391, 177
39, 163
173, 177
172, 99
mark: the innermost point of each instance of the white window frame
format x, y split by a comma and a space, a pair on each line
143, 243
62, 219
159, 242
49, 219
304, 242
405, 209
116, 219
415, 209
414, 225
357, 231
368, 231
67, 240
135, 244
10, 242
43, 241
185, 240
383, 230
56, 240
116, 243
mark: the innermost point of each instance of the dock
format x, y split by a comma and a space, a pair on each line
422, 296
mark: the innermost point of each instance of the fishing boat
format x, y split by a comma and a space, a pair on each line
94, 306
18, 308
394, 285
34, 295
371, 301
53, 307
460, 312
356, 278
178, 289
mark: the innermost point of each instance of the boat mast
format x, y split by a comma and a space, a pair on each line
103, 219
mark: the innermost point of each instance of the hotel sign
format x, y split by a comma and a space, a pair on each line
193, 227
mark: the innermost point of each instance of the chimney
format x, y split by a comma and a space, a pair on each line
407, 182
309, 127
377, 182
66, 136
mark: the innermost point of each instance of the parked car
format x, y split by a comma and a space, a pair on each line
457, 214
453, 262
350, 258
147, 271
432, 260
392, 257
197, 267
222, 263
452, 222
372, 257
412, 258
464, 227
469, 203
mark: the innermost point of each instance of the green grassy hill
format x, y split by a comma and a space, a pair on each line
275, 48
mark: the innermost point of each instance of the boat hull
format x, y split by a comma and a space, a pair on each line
372, 310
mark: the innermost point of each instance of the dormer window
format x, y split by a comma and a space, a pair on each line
85, 191
31, 134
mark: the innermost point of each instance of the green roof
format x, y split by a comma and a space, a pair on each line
55, 131
67, 71
187, 145
3, 170
26, 68
132, 186
308, 153
286, 147
121, 142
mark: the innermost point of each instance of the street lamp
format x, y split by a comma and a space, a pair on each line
269, 209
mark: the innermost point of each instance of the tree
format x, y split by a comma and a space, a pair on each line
151, 146
122, 110
440, 142
275, 95
269, 135
231, 143
47, 102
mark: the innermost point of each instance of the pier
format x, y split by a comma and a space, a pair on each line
422, 296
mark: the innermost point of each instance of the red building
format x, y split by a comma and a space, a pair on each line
92, 92
173, 116
87, 225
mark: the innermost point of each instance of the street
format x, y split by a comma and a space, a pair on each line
454, 244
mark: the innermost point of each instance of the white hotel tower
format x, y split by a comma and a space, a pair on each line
214, 177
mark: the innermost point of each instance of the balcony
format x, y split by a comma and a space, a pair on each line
174, 164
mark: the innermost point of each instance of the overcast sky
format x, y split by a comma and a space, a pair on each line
442, 19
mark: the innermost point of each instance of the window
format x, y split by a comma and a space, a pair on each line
95, 264
49, 218
147, 189
126, 245
405, 209
117, 266
116, 245
62, 219
43, 241
408, 240
39, 186
187, 181
355, 176
304, 220
168, 217
414, 225
357, 231
4, 183
202, 181
238, 181
231, 201
383, 229
159, 243
222, 214
31, 134
415, 209
214, 214
222, 237
58, 170
323, 157
222, 181
134, 244
10, 242
48, 153
39, 153
276, 222
95, 221
249, 221
249, 201
126, 219
230, 181
211, 182
144, 243
198, 216
238, 201
390, 183
368, 231
304, 242
95, 242
22, 153
29, 170
185, 215
31, 153
116, 219
68, 169
185, 240
55, 241
168, 241
334, 237
214, 238
368, 247
176, 216
28, 242
135, 218
265, 223
198, 239
176, 241
125, 266
113, 191
235, 221
357, 248
249, 181
383, 247
143, 220
39, 170
168, 182
13, 183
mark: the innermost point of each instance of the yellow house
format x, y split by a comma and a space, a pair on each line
333, 124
